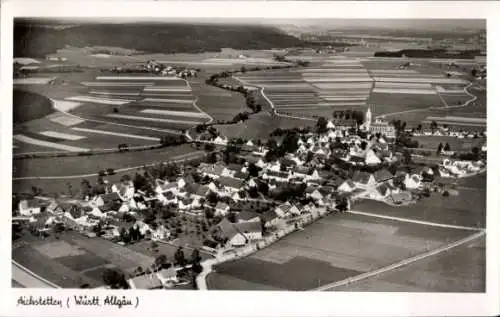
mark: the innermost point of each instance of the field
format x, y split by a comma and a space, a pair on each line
156, 106
432, 142
89, 164
332, 249
461, 269
466, 209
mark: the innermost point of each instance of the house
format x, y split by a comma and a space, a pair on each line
213, 171
381, 191
363, 179
146, 281
163, 187
55, 208
251, 230
260, 163
371, 158
29, 207
248, 216
314, 193
143, 227
276, 175
161, 233
221, 209
168, 276
382, 175
231, 184
347, 186
108, 199
270, 218
313, 175
220, 140
252, 183
241, 175
413, 181
286, 209
227, 231
124, 191
249, 143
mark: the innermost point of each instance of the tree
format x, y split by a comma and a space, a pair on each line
209, 147
195, 256
160, 261
440, 148
253, 170
407, 157
474, 72
212, 198
447, 147
85, 188
114, 278
321, 125
125, 178
433, 125
179, 257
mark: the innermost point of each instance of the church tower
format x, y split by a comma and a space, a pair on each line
368, 119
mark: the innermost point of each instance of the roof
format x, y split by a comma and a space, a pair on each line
32, 203
361, 177
227, 229
383, 188
241, 175
382, 175
75, 211
146, 281
202, 190
221, 205
110, 197
247, 227
230, 182
301, 169
277, 174
269, 215
168, 273
247, 215
215, 169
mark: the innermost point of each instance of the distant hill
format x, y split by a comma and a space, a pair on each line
29, 106
35, 40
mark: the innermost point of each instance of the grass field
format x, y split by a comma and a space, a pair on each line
432, 142
331, 249
460, 269
29, 106
467, 209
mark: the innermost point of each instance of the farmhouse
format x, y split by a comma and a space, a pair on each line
286, 209
230, 184
221, 209
382, 175
270, 218
363, 179
146, 281
227, 231
167, 276
248, 216
347, 187
29, 207
252, 230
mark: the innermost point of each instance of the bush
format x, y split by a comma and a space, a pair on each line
102, 173
446, 193
110, 171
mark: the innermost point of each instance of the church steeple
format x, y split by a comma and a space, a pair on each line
368, 118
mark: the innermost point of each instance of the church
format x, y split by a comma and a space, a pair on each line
379, 126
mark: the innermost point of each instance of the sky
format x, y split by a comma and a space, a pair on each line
416, 24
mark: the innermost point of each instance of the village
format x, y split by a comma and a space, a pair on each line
246, 194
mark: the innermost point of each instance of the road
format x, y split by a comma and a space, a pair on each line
28, 279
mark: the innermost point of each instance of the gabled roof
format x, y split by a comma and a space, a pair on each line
277, 174
75, 211
241, 175
110, 197
222, 206
248, 227
227, 229
247, 215
167, 273
230, 182
382, 175
361, 177
202, 190
269, 215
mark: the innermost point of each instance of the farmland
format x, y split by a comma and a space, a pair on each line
361, 244
437, 274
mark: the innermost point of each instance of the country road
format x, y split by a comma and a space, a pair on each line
28, 279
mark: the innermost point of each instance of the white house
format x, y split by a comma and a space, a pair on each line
220, 140
221, 209
29, 207
168, 276
347, 187
161, 233
371, 158
413, 181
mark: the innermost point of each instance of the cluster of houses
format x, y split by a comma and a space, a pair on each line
164, 278
159, 68
451, 168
